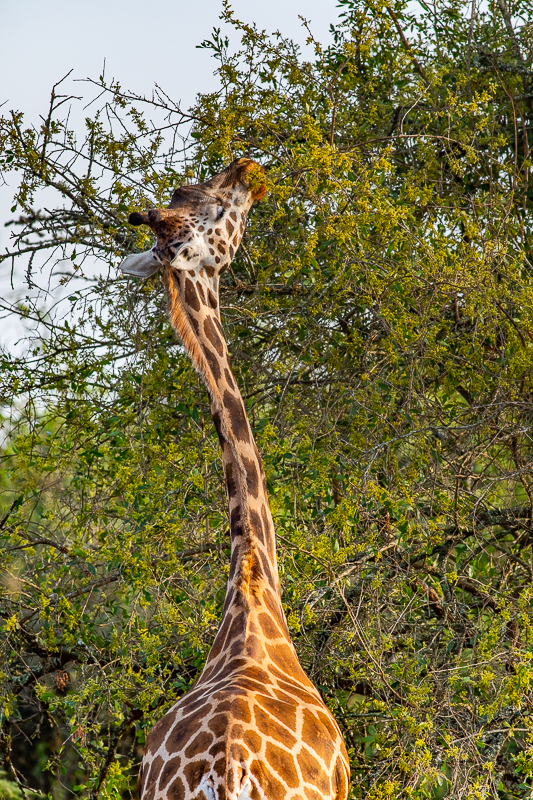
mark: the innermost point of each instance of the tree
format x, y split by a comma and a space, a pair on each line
379, 315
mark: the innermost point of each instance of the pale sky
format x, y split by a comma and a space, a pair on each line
142, 44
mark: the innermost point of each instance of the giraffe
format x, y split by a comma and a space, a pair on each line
253, 727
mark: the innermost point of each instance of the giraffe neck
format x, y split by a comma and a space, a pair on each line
194, 314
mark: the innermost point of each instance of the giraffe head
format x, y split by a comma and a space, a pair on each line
202, 227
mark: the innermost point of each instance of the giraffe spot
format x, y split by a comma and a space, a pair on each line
235, 520
229, 227
328, 723
254, 649
212, 360
218, 428
266, 571
168, 771
219, 767
221, 248
194, 772
231, 252
311, 794
311, 770
200, 290
221, 790
340, 779
252, 478
283, 696
210, 270
210, 231
191, 272
217, 748
285, 712
238, 753
198, 745
153, 775
211, 299
157, 735
256, 525
201, 228
195, 325
218, 724
253, 741
222, 269
231, 486
213, 336
219, 326
284, 658
269, 627
237, 627
176, 790
271, 787
296, 691
235, 557
269, 600
241, 710
318, 736
182, 733
239, 423
218, 231
255, 673
191, 298
211, 241
269, 726
212, 252
233, 215
217, 260
229, 379
282, 762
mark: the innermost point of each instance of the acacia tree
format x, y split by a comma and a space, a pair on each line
379, 314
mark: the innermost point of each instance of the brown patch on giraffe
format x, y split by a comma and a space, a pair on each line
198, 745
231, 252
267, 572
217, 748
252, 477
254, 649
318, 736
271, 787
340, 779
231, 486
284, 658
256, 525
271, 727
219, 767
283, 696
218, 724
213, 336
233, 215
153, 775
157, 735
239, 422
191, 298
195, 325
212, 360
176, 790
285, 712
219, 324
200, 290
221, 248
221, 792
191, 272
211, 299
269, 628
297, 691
253, 741
210, 271
229, 379
170, 769
229, 227
241, 711
194, 772
282, 762
255, 673
311, 794
182, 733
312, 771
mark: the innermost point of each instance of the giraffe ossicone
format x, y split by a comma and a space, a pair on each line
253, 727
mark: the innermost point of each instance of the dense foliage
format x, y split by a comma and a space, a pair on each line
380, 319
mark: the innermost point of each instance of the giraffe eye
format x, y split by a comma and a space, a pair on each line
220, 212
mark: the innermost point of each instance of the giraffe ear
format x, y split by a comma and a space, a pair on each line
138, 219
141, 265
